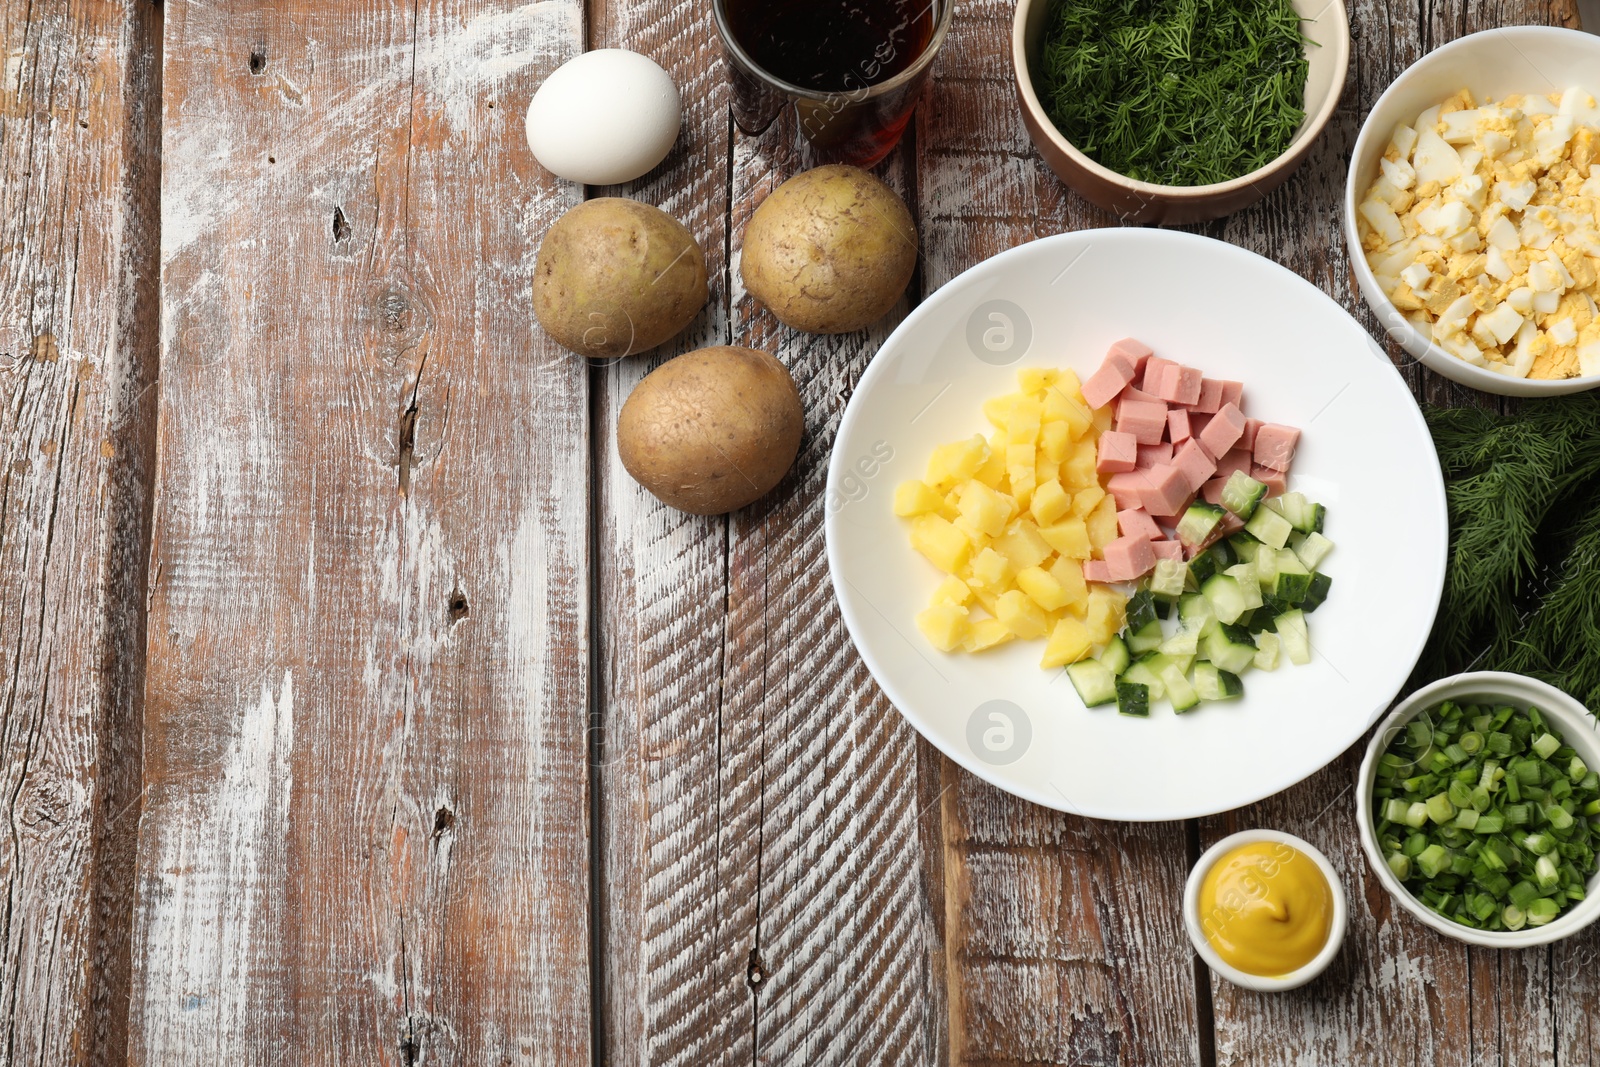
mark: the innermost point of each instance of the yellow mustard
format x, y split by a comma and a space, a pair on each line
1266, 908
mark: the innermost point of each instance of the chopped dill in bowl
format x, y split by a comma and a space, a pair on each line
1175, 92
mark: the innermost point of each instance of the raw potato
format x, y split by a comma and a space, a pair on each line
616, 278
712, 430
830, 251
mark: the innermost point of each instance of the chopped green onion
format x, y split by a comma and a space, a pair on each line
1434, 858
1400, 864
1546, 746
1513, 917
1542, 911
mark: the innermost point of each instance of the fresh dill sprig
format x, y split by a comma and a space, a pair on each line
1522, 591
1175, 92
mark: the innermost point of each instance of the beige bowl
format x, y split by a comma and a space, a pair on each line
1327, 28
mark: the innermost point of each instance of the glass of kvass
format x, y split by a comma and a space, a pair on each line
852, 69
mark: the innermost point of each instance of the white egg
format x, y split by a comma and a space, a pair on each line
604, 117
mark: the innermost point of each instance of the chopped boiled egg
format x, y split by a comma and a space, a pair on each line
1483, 226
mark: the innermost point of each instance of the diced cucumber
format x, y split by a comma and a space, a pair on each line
1226, 599
1115, 657
1312, 548
1267, 569
1145, 638
1242, 494
1179, 691
1167, 580
1216, 558
1141, 611
1214, 683
1230, 648
1294, 580
1182, 643
1199, 523
1141, 673
1320, 584
1264, 620
1302, 514
1296, 638
1095, 684
1194, 611
1244, 546
1134, 699
1249, 584
1267, 646
1269, 527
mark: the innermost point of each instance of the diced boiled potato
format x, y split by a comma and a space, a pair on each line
1068, 408
1068, 573
1102, 523
1050, 502
1042, 587
986, 633
1070, 537
916, 498
1044, 470
1022, 545
1102, 419
998, 409
944, 625
1087, 499
1106, 614
1036, 379
951, 591
1019, 614
1078, 469
956, 462
1055, 438
988, 599
991, 571
1020, 460
1022, 423
1069, 642
992, 472
983, 509
944, 546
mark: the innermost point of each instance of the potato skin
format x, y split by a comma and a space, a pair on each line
616, 278
830, 251
712, 430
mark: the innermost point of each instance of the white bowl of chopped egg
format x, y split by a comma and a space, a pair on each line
1472, 210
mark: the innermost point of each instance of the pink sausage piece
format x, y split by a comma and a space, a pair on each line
1195, 463
1212, 490
1154, 368
1154, 455
1104, 384
1130, 393
1178, 425
1128, 558
1179, 384
1095, 570
1136, 522
1275, 445
1130, 353
1167, 549
1237, 460
1210, 397
1167, 492
1118, 452
1128, 488
1223, 431
1232, 393
1248, 438
1146, 421
1276, 481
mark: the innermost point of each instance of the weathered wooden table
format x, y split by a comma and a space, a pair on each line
358, 708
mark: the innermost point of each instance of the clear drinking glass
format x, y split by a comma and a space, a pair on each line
852, 69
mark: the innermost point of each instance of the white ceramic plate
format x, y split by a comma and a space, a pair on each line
1364, 452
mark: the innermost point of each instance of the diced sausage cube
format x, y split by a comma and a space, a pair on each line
1154, 368
1166, 492
1128, 488
1095, 570
1178, 425
1275, 445
1118, 452
1238, 459
1146, 421
1167, 549
1223, 431
1232, 393
1179, 384
1136, 522
1248, 438
1104, 384
1131, 354
1154, 455
1276, 481
1132, 393
1210, 401
1128, 558
1195, 463
1212, 490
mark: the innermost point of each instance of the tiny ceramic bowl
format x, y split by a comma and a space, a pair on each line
1491, 64
1193, 922
1578, 729
1327, 31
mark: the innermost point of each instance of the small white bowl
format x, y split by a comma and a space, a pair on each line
1260, 983
1578, 729
1492, 64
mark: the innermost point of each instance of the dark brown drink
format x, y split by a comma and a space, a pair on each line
852, 68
